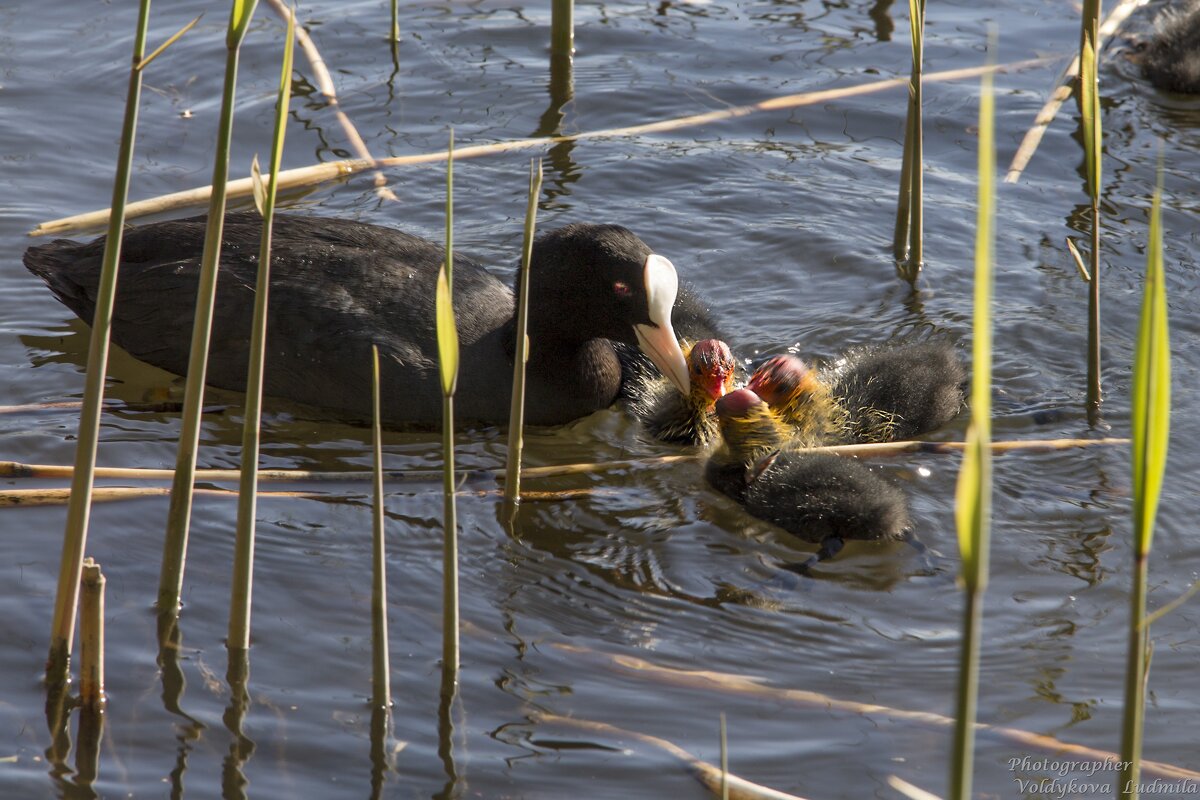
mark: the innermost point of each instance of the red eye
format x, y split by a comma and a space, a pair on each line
621, 289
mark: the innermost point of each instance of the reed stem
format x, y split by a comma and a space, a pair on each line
170, 585
381, 689
516, 418
562, 28
1135, 681
243, 560
91, 627
62, 627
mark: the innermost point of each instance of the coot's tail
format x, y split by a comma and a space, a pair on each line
71, 270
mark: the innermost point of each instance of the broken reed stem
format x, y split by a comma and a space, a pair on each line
1065, 88
91, 635
708, 774
16, 469
308, 176
750, 686
325, 85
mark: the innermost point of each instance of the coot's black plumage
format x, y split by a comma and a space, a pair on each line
898, 391
876, 394
814, 496
338, 286
1170, 57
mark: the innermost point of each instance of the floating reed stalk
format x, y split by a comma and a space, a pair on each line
381, 690
1089, 107
62, 628
1151, 434
170, 583
707, 774
908, 240
973, 503
1066, 86
243, 552
712, 683
516, 416
91, 631
724, 760
325, 85
562, 28
16, 469
447, 338
338, 170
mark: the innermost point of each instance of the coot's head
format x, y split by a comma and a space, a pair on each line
711, 368
1170, 56
781, 379
748, 427
601, 281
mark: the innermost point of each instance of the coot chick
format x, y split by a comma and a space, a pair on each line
814, 496
672, 416
339, 286
801, 399
898, 391
1170, 58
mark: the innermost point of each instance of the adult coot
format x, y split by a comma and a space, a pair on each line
1170, 58
671, 415
338, 286
817, 497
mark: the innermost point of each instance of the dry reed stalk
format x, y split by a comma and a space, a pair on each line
319, 173
325, 85
708, 774
91, 635
709, 681
1066, 84
17, 469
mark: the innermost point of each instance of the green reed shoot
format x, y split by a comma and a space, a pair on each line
908, 238
170, 581
1151, 433
66, 603
447, 339
973, 501
516, 416
264, 199
1089, 107
562, 28
394, 37
381, 689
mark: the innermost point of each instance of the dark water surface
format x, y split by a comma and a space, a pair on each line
783, 220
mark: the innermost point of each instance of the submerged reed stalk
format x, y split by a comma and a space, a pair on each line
447, 339
62, 628
381, 689
908, 239
516, 418
973, 501
1151, 434
243, 556
1089, 108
